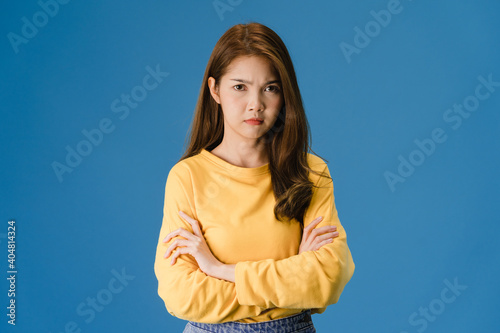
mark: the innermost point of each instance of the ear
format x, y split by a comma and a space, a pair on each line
214, 89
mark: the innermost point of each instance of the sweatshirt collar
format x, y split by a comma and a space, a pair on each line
263, 169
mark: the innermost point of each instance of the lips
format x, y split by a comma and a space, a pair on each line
254, 121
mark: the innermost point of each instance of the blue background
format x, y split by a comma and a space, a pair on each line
365, 111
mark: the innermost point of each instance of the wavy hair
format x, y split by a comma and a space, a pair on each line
287, 142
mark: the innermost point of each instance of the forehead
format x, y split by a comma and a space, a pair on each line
251, 66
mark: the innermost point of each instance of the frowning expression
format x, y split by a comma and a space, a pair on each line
250, 96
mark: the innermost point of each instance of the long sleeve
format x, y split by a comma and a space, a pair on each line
188, 292
312, 279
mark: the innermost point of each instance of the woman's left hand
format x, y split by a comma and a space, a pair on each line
193, 244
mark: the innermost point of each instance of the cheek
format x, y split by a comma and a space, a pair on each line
231, 108
275, 105
275, 101
230, 102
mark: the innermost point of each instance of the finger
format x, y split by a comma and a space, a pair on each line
309, 234
179, 251
314, 223
171, 235
326, 241
326, 228
193, 222
322, 231
177, 243
319, 231
179, 232
323, 237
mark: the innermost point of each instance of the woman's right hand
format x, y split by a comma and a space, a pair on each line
313, 239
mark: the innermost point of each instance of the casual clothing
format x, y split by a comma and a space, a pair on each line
300, 322
234, 207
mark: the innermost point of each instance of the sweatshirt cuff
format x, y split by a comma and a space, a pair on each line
241, 284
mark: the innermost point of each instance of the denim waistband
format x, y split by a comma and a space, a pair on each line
295, 323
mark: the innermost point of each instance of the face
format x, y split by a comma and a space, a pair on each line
250, 89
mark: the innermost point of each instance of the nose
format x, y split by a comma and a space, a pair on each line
255, 102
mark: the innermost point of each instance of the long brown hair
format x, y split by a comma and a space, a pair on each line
287, 142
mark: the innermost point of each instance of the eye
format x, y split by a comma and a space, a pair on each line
273, 89
239, 87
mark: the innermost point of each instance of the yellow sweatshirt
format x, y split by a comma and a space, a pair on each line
234, 207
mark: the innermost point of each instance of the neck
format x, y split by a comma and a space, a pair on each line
242, 154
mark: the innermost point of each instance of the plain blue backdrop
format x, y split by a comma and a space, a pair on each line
403, 100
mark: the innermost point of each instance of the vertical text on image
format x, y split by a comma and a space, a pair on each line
11, 271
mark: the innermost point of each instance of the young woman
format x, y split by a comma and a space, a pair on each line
250, 239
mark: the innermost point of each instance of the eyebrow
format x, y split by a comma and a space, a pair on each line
245, 81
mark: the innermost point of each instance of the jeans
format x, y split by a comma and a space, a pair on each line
300, 322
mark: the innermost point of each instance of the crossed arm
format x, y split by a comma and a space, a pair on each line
191, 277
194, 244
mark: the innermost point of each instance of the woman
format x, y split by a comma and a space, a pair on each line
250, 239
